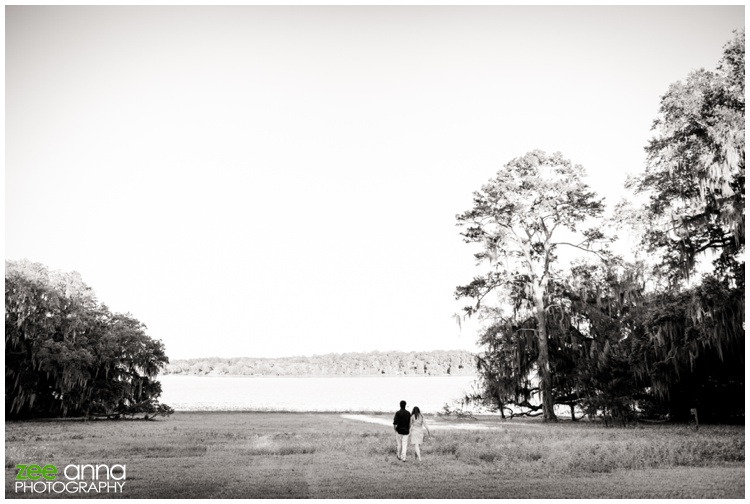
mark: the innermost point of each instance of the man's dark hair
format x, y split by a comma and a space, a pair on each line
403, 404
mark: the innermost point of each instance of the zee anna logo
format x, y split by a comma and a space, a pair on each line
81, 478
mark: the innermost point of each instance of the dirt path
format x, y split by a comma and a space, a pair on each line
439, 424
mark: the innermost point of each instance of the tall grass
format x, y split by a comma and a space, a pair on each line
587, 449
594, 451
294, 454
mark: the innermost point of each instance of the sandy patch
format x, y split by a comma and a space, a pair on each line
440, 424
368, 419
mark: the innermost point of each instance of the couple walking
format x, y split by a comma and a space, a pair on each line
409, 428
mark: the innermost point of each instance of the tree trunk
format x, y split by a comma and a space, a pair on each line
500, 405
545, 377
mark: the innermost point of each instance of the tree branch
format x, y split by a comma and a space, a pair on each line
581, 248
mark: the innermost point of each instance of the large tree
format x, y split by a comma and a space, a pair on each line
613, 334
520, 218
689, 337
695, 172
66, 354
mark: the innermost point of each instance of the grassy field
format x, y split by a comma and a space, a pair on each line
322, 455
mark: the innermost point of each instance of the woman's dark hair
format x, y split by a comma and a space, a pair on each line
415, 412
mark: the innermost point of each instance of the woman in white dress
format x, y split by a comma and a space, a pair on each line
417, 428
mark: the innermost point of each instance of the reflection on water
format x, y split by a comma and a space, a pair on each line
371, 393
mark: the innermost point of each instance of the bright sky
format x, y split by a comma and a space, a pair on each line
272, 181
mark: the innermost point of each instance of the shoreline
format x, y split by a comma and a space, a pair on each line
316, 376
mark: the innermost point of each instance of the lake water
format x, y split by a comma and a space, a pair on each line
370, 393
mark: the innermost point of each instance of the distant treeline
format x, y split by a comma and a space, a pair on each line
434, 363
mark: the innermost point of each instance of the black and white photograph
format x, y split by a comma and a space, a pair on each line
374, 252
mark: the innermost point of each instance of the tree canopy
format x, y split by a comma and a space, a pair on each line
695, 171
68, 355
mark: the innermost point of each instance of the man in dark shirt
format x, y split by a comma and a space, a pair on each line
401, 426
